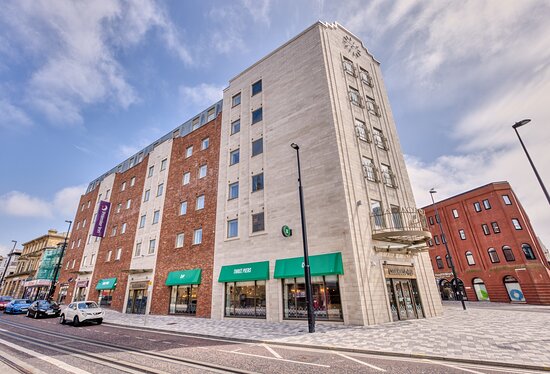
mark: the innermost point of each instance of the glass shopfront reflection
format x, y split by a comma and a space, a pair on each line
245, 299
183, 300
326, 298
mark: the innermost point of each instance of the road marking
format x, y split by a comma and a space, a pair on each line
53, 361
273, 358
456, 367
361, 362
270, 350
152, 340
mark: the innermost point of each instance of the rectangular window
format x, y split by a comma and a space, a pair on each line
84, 260
436, 240
186, 178
152, 244
462, 234
496, 229
257, 147
163, 164
257, 182
197, 236
431, 220
128, 203
372, 107
361, 130
211, 114
455, 213
485, 229
387, 175
379, 138
138, 250
118, 254
236, 100
486, 204
348, 66
258, 222
235, 126
233, 190
151, 171
200, 202
92, 258
233, 228
376, 211
179, 240
132, 182
123, 187
516, 223
354, 96
160, 189
196, 123
146, 196
142, 221
257, 115
506, 199
234, 157
78, 243
113, 232
156, 216
443, 239
108, 193
183, 208
123, 228
369, 170
84, 223
205, 143
430, 242
257, 87
202, 171
73, 263
477, 207
366, 77
78, 225
188, 151
109, 254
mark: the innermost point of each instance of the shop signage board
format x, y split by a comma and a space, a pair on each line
82, 284
181, 277
139, 285
399, 272
325, 264
101, 220
245, 272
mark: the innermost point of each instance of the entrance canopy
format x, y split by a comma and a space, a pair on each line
106, 284
326, 264
180, 277
245, 272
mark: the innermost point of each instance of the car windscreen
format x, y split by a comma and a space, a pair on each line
88, 305
21, 301
6, 298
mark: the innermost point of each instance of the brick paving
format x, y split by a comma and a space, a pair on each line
490, 332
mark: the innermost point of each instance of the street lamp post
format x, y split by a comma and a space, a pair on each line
56, 269
515, 126
7, 265
444, 240
307, 272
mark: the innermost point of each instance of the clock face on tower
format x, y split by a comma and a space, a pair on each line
351, 46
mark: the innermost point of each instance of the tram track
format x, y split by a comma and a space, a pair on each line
114, 363
14, 365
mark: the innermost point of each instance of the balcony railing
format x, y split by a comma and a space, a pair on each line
404, 225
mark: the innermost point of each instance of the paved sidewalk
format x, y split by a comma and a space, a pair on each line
504, 333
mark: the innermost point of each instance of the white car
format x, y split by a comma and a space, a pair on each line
82, 311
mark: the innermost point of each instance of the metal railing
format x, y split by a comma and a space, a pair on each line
402, 219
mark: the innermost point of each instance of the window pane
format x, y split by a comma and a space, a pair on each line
233, 190
486, 204
257, 87
257, 115
200, 202
258, 222
197, 237
205, 143
234, 157
183, 208
516, 224
257, 147
236, 100
232, 228
257, 182
235, 127
506, 199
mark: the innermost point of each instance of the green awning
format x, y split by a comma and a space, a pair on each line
327, 264
106, 284
176, 278
245, 272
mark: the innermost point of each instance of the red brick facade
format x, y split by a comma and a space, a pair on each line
486, 217
190, 256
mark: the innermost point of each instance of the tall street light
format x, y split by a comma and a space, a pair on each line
8, 264
307, 272
515, 126
56, 269
444, 240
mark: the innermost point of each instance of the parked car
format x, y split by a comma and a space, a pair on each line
4, 300
44, 308
82, 311
17, 306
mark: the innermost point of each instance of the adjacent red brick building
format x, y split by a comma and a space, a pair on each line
494, 248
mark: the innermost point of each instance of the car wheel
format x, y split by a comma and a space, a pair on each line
62, 319
99, 322
35, 315
28, 314
76, 322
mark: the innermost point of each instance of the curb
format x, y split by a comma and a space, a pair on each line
349, 350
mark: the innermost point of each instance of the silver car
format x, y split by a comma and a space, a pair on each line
82, 311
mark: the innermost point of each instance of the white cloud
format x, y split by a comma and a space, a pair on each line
201, 95
13, 117
66, 201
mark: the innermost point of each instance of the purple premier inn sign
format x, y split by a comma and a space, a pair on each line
101, 219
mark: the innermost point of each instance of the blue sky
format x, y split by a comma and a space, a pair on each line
85, 84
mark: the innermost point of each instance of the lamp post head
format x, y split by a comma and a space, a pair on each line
68, 221
432, 191
521, 123
295, 146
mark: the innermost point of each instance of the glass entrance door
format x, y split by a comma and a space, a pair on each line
137, 301
404, 299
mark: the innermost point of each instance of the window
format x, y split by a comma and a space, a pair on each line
233, 190
508, 254
372, 107
200, 202
109, 254
232, 228
470, 258
186, 178
73, 263
202, 171
146, 196
179, 240
257, 147
396, 217
506, 199
142, 220
366, 77
257, 115
113, 233
436, 240
205, 143
118, 254
138, 250
257, 182
163, 164
189, 151
123, 186
477, 207
462, 234
151, 171
379, 138
84, 260
493, 255
78, 243
369, 170
108, 193
78, 225
258, 223
486, 204
430, 242
84, 223
449, 261
431, 220
516, 223
196, 123
439, 262
354, 96
152, 244
387, 175
485, 229
443, 239
528, 252
455, 213
234, 157
348, 67
92, 258
132, 183
197, 236
236, 100
156, 216
235, 126
160, 189
72, 245
496, 229
183, 208
376, 211
128, 203
257, 87
361, 131
211, 114
123, 228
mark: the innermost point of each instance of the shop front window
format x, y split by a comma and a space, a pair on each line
105, 297
326, 298
245, 299
183, 300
